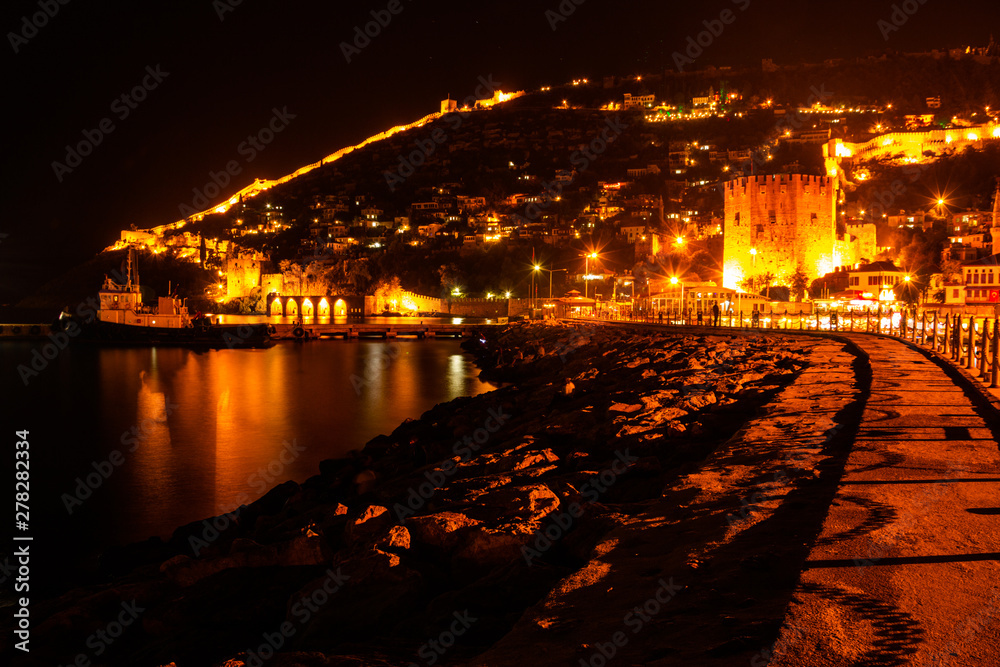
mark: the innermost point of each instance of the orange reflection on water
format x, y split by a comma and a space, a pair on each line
218, 429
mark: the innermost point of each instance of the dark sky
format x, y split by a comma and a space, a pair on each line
225, 76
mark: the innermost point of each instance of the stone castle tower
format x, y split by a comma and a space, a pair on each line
778, 222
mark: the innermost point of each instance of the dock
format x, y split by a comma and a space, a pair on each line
360, 330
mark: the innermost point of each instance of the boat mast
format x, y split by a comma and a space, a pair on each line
128, 270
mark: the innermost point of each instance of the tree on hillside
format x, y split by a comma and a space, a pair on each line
358, 276
450, 277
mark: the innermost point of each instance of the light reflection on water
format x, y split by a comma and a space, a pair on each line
202, 432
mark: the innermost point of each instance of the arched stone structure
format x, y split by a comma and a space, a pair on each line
316, 306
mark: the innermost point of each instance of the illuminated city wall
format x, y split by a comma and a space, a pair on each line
912, 145
789, 220
273, 283
403, 301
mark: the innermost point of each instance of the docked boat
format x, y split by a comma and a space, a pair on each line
123, 319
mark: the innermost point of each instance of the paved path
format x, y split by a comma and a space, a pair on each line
906, 569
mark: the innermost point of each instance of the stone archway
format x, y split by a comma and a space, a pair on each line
276, 309
307, 308
340, 308
291, 308
324, 308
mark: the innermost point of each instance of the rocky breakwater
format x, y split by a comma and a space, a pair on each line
430, 544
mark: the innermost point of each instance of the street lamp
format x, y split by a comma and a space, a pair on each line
551, 271
535, 270
676, 281
586, 279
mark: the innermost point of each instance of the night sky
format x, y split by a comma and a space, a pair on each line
225, 75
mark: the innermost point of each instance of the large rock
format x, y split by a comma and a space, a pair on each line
303, 550
441, 531
367, 526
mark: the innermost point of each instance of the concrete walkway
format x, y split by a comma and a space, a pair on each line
906, 569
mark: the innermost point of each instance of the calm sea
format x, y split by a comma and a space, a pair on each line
167, 436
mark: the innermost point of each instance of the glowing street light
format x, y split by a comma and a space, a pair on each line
586, 281
535, 269
674, 280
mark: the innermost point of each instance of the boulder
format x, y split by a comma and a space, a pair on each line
368, 525
303, 550
442, 530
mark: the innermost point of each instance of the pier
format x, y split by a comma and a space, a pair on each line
361, 330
